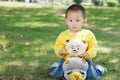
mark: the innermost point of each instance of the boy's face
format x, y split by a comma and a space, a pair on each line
75, 20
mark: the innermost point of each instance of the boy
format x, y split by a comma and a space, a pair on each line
75, 18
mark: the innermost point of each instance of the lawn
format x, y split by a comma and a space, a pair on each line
28, 33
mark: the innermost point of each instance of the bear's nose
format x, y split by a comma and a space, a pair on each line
74, 50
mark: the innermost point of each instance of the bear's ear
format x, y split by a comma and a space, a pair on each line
67, 62
67, 40
83, 41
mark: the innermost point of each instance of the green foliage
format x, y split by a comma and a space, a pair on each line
98, 2
111, 3
78, 1
119, 2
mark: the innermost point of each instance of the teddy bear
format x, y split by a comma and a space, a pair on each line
75, 46
74, 67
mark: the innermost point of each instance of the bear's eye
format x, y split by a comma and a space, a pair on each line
69, 73
82, 72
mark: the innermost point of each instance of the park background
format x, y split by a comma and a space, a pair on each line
28, 31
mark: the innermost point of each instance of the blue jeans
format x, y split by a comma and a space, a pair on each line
57, 71
92, 73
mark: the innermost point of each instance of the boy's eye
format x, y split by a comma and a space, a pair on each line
70, 20
77, 20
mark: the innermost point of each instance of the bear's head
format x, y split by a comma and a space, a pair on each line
75, 64
75, 46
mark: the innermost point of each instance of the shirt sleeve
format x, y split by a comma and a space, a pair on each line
59, 44
92, 45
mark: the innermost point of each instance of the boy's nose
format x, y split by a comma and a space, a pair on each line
74, 24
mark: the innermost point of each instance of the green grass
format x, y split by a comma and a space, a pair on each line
104, 23
28, 33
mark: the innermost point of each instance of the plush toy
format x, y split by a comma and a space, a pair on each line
75, 46
74, 67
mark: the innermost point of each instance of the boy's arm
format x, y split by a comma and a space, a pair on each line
59, 45
92, 46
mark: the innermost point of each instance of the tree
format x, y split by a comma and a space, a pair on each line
78, 1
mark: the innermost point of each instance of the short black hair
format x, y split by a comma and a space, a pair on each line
76, 7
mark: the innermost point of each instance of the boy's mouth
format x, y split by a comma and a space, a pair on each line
74, 27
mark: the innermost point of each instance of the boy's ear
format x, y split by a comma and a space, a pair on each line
85, 20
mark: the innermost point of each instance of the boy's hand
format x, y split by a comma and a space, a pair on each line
62, 52
85, 56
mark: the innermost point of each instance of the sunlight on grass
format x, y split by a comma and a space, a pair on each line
5, 64
35, 24
3, 42
114, 60
107, 28
34, 63
104, 50
99, 18
17, 63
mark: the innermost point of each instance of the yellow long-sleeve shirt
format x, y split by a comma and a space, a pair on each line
84, 34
